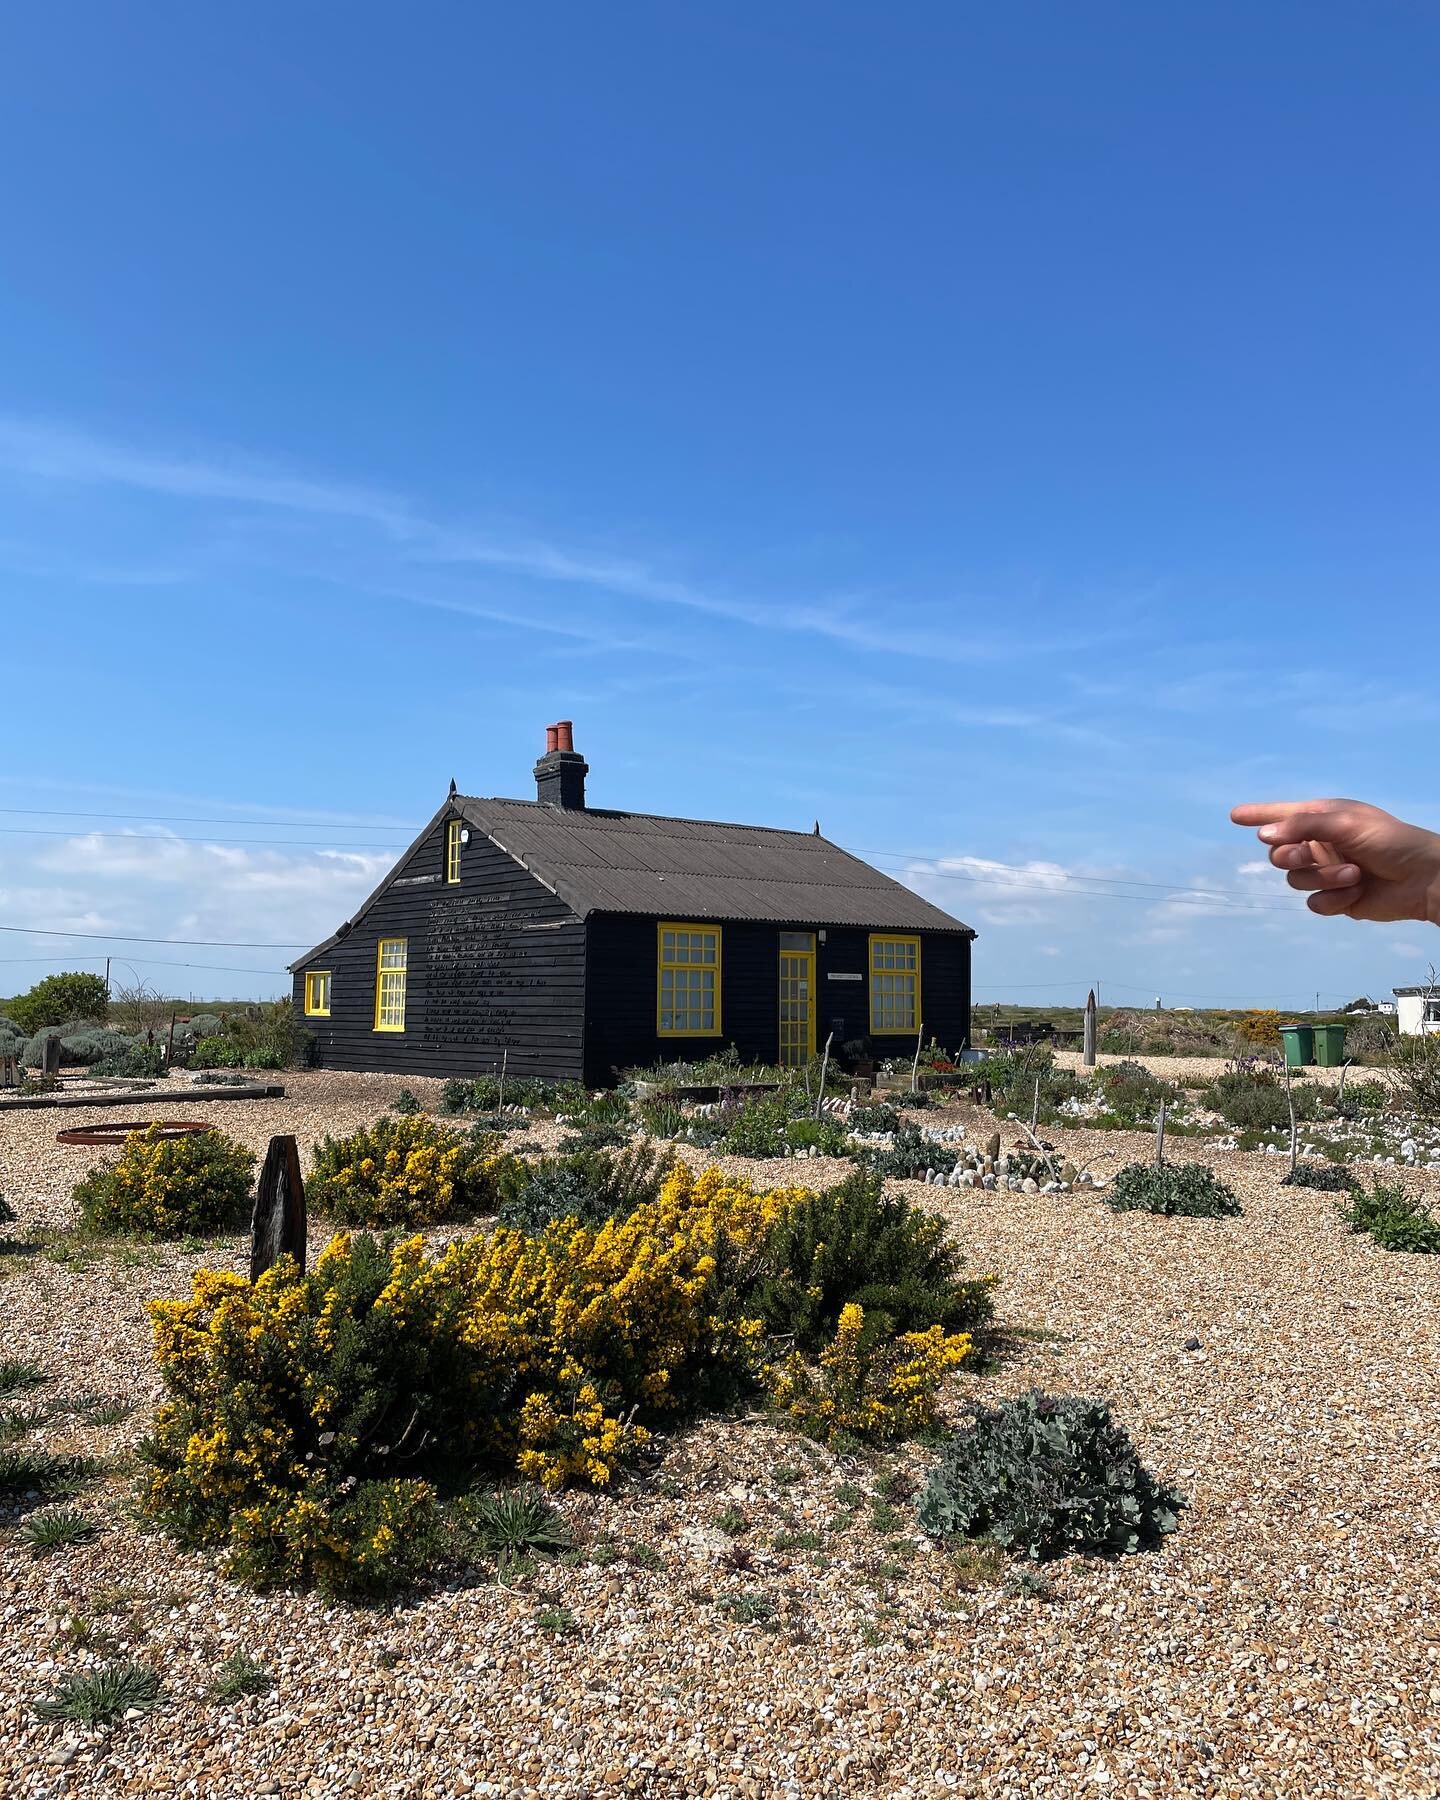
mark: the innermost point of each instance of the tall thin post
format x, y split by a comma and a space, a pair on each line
504, 1064
915, 1066
1035, 1105
1090, 1031
824, 1070
278, 1225
1294, 1126
1160, 1137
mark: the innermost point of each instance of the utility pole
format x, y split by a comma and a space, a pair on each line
107, 977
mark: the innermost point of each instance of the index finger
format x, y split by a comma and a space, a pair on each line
1270, 812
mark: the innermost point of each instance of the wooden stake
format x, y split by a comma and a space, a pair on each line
1294, 1127
1090, 1032
1035, 1106
278, 1226
915, 1066
824, 1069
1160, 1137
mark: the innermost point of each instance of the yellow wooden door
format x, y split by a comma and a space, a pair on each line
797, 997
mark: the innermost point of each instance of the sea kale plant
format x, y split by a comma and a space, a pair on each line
1188, 1190
1044, 1476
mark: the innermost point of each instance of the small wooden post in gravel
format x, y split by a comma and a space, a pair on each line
277, 1227
50, 1056
1160, 1137
824, 1070
1090, 1031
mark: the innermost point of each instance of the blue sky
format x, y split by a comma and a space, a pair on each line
1005, 433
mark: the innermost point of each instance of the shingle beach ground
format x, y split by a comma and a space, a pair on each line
1286, 1641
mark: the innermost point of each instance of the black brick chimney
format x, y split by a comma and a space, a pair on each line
561, 771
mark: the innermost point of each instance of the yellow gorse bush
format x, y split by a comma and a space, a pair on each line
880, 1392
301, 1408
408, 1170
165, 1187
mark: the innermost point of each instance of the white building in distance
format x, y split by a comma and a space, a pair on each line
1417, 1010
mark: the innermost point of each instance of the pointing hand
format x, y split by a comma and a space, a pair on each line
1350, 857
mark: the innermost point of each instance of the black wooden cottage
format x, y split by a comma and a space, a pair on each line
575, 942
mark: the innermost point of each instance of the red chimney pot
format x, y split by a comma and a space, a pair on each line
564, 735
552, 738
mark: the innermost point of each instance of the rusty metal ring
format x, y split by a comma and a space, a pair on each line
120, 1130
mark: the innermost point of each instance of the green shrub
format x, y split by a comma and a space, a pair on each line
1133, 1093
43, 1472
59, 998
408, 1171
217, 1053
1326, 1178
856, 1243
913, 1099
908, 1158
138, 1062
1188, 1190
406, 1103
1042, 1477
486, 1093
590, 1186
202, 1025
168, 1187
661, 1118
593, 1137
90, 1046
1395, 1219
32, 1051
1256, 1101
878, 1116
48, 1532
827, 1136
265, 1057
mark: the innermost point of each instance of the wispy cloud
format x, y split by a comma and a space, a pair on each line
953, 634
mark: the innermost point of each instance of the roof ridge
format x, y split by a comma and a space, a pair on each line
620, 812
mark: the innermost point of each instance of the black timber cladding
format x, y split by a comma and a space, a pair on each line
496, 968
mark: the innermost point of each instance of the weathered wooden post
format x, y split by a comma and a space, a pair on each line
1160, 1137
277, 1227
50, 1055
824, 1068
9, 1071
1294, 1124
1090, 1031
915, 1066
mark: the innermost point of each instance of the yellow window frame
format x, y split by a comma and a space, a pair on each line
452, 852
392, 967
314, 994
894, 971
682, 950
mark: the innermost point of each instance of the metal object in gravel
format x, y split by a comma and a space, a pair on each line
118, 1132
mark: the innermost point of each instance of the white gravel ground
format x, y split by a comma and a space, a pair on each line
1285, 1642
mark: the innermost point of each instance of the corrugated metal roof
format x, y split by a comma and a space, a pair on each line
695, 868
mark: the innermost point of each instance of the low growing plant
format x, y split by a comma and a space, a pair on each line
1187, 1190
1326, 1178
1043, 1476
875, 1389
238, 1676
47, 1532
877, 1116
168, 1187
516, 1522
98, 1698
1394, 1219
589, 1186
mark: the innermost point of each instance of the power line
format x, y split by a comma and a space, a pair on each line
147, 962
174, 837
65, 812
114, 937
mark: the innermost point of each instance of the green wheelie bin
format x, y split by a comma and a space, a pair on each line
1299, 1041
1329, 1046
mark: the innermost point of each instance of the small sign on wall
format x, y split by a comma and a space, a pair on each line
839, 975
